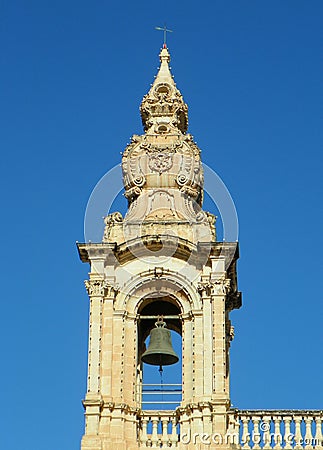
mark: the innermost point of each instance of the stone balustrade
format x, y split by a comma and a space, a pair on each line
248, 429
158, 429
277, 429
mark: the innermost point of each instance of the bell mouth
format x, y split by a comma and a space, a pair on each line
161, 359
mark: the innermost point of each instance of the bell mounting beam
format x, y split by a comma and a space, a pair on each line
174, 316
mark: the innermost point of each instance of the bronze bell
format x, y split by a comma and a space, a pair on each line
160, 351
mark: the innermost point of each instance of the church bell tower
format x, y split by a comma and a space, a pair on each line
160, 267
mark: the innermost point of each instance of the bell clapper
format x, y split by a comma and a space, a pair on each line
161, 379
160, 323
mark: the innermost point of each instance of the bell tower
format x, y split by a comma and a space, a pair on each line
159, 263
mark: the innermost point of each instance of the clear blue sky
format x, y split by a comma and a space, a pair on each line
72, 77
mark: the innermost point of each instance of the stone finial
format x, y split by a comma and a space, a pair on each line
163, 109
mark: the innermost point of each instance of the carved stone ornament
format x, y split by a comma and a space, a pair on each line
164, 101
110, 291
110, 224
181, 179
139, 180
205, 287
231, 333
160, 162
221, 286
95, 287
170, 147
113, 218
100, 288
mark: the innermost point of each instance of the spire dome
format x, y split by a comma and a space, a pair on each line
163, 109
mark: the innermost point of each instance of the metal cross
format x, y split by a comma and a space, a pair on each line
165, 30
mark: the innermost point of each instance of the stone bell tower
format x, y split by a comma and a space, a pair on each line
161, 259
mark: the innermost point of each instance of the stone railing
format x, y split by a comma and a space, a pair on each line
277, 429
247, 429
158, 429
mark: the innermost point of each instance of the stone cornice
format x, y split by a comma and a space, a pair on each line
184, 249
88, 251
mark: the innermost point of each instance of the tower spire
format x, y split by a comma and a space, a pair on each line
163, 108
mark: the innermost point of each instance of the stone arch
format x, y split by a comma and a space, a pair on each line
168, 283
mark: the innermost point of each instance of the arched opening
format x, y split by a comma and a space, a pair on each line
159, 390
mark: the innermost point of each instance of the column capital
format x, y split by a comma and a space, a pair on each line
98, 287
94, 287
220, 286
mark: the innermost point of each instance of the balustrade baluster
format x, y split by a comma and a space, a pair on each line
174, 435
154, 434
259, 437
288, 436
308, 432
245, 438
256, 436
277, 433
266, 429
143, 434
318, 433
298, 433
164, 438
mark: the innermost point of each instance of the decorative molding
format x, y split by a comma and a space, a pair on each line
160, 162
158, 272
221, 286
100, 288
111, 221
92, 402
122, 407
205, 288
229, 331
115, 217
110, 291
95, 287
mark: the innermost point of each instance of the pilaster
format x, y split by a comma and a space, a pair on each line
107, 344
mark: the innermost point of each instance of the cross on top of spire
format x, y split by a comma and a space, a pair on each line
165, 30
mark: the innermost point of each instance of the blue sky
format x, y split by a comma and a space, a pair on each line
72, 77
